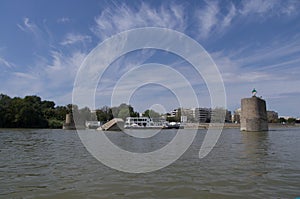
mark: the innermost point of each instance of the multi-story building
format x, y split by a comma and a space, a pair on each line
174, 115
220, 115
187, 115
202, 115
236, 116
228, 116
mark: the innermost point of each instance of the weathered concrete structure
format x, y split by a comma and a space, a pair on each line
69, 124
253, 114
116, 124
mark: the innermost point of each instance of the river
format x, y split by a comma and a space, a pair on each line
54, 164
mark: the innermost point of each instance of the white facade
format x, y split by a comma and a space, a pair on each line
139, 122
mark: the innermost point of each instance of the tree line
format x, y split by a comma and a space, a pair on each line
33, 112
106, 113
30, 112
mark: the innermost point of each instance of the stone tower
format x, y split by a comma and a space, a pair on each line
69, 123
253, 114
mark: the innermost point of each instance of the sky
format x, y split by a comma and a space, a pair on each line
254, 44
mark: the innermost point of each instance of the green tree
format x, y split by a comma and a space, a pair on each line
127, 110
123, 113
281, 120
104, 114
26, 113
60, 113
72, 108
291, 120
48, 109
5, 116
151, 114
30, 116
85, 114
172, 119
14, 114
32, 112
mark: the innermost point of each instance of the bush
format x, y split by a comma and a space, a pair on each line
55, 124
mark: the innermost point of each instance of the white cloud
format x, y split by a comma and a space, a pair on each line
72, 38
36, 31
5, 63
269, 8
215, 18
63, 20
208, 18
62, 71
279, 49
28, 26
115, 20
273, 70
52, 80
25, 75
211, 20
257, 6
275, 62
229, 17
58, 77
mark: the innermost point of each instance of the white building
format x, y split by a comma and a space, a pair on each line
187, 114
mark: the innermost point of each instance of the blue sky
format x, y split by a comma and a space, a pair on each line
255, 44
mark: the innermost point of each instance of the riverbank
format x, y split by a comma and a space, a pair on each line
193, 126
233, 125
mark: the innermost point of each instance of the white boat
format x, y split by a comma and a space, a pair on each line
172, 125
141, 122
92, 124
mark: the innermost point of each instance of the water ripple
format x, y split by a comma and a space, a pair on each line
54, 164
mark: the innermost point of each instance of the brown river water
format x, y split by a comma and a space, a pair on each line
42, 163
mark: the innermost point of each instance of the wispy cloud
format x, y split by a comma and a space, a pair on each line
272, 69
115, 20
62, 70
257, 7
269, 8
227, 19
28, 26
25, 75
274, 61
207, 17
121, 18
212, 21
214, 18
63, 20
49, 80
245, 66
72, 38
6, 63
41, 34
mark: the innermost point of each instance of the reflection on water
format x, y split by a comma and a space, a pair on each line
256, 146
54, 164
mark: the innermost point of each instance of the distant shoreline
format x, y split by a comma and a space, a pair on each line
191, 126
233, 125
